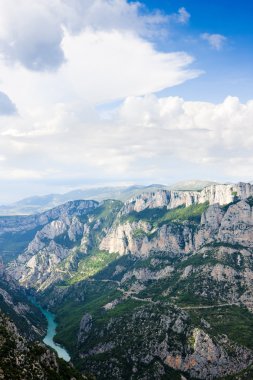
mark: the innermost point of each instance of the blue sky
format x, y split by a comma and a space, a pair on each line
228, 71
118, 92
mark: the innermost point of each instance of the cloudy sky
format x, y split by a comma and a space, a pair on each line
96, 92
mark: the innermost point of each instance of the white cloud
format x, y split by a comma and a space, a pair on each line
61, 58
100, 52
100, 66
31, 32
183, 16
145, 138
216, 41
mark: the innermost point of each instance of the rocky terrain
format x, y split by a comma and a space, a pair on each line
23, 356
16, 232
158, 287
38, 204
15, 304
175, 222
24, 360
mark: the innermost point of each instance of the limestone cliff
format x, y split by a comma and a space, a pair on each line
233, 225
221, 194
70, 231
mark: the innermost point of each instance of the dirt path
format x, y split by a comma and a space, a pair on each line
209, 306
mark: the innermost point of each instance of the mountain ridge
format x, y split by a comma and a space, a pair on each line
169, 273
38, 204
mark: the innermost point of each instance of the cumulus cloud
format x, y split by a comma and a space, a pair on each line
146, 137
31, 32
7, 107
60, 59
216, 41
101, 66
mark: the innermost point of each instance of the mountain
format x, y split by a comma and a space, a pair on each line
22, 326
196, 185
24, 360
16, 232
14, 303
158, 287
38, 204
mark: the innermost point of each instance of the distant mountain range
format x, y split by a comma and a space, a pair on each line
37, 204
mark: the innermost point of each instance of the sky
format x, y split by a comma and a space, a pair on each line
112, 92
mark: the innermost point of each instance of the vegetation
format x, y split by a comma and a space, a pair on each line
23, 360
234, 321
29, 316
92, 264
159, 216
69, 314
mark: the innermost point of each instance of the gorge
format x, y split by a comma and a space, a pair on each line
51, 331
160, 286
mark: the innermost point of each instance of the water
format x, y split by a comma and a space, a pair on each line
51, 331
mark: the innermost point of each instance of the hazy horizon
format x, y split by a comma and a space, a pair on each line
68, 189
111, 92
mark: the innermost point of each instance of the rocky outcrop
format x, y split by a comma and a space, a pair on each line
237, 225
54, 249
26, 223
23, 360
220, 194
171, 238
156, 345
210, 360
145, 274
84, 328
233, 225
58, 246
13, 301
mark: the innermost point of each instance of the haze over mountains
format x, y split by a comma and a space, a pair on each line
36, 204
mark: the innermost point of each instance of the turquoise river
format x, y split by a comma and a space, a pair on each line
51, 331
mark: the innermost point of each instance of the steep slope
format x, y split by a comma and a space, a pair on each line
23, 360
124, 323
14, 303
16, 232
221, 194
38, 204
144, 290
66, 246
72, 231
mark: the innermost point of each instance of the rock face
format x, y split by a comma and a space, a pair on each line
21, 360
156, 344
52, 243
25, 223
16, 232
14, 302
62, 242
221, 194
171, 238
233, 225
85, 327
209, 360
75, 229
177, 303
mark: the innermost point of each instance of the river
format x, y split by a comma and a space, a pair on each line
51, 331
